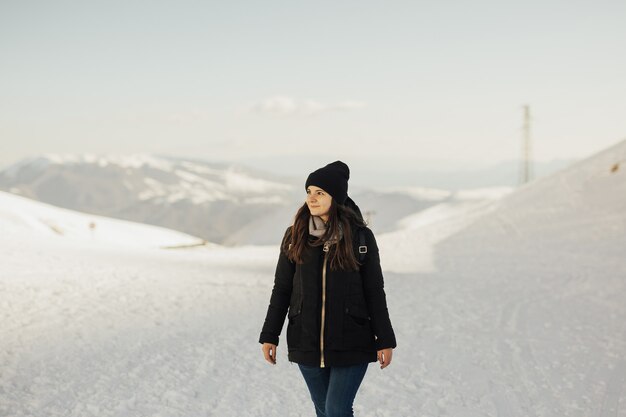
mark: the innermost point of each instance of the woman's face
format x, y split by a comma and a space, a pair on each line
318, 201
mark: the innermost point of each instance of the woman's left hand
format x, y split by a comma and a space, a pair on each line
384, 357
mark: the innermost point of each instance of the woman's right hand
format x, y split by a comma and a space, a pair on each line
269, 351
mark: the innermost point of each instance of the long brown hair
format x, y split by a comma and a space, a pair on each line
341, 254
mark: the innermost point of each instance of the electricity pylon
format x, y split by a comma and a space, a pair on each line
526, 173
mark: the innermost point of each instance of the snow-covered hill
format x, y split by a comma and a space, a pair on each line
505, 308
25, 219
517, 306
584, 204
579, 209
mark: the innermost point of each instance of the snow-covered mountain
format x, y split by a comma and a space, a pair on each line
222, 203
208, 200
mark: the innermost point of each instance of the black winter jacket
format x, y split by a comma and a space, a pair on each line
344, 323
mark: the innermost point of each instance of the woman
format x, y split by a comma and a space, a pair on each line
330, 285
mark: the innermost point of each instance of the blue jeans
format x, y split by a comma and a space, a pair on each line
333, 389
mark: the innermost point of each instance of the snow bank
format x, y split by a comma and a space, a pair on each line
20, 216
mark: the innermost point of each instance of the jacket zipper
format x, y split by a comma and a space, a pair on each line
326, 247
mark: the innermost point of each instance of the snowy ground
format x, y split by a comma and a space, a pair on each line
514, 309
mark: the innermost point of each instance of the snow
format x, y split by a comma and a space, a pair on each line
418, 193
129, 161
511, 307
412, 248
482, 193
38, 163
242, 183
29, 220
434, 194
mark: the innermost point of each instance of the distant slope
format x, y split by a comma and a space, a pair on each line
22, 218
581, 208
578, 209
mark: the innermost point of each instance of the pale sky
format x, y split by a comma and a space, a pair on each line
395, 83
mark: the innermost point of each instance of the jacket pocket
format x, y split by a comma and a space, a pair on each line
294, 327
357, 328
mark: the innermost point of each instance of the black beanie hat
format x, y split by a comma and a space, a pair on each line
333, 178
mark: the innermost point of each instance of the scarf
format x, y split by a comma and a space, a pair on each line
317, 228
